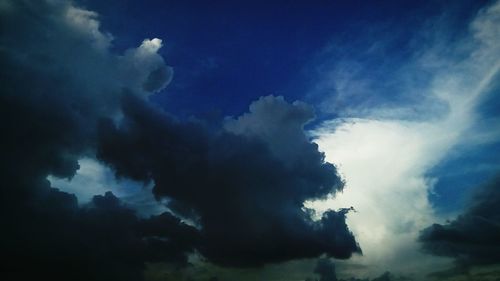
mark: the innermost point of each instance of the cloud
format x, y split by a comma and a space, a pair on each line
246, 194
68, 101
383, 163
103, 240
58, 80
280, 125
473, 238
385, 158
325, 268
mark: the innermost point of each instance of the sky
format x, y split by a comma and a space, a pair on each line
250, 140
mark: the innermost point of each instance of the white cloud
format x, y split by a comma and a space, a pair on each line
150, 46
385, 160
383, 163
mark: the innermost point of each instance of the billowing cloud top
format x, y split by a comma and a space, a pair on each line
65, 96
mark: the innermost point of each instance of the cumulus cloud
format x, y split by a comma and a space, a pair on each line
473, 238
67, 97
145, 66
280, 125
58, 80
385, 158
239, 178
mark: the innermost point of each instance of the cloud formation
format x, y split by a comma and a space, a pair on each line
66, 96
473, 238
325, 269
103, 240
58, 79
386, 155
246, 194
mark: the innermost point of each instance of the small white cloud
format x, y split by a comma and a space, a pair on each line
145, 69
150, 46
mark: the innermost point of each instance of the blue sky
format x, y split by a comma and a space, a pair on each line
196, 133
226, 55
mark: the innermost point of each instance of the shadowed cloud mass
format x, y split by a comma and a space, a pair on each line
325, 269
473, 238
247, 201
67, 96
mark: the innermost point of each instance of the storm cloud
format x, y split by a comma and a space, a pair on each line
58, 80
473, 238
325, 269
247, 197
66, 95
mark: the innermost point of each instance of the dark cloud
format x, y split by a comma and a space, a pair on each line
58, 80
65, 96
473, 238
247, 196
157, 78
101, 241
325, 269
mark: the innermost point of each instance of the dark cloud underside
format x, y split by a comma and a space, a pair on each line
66, 96
325, 269
473, 238
247, 200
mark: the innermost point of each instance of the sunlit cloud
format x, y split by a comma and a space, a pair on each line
385, 160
